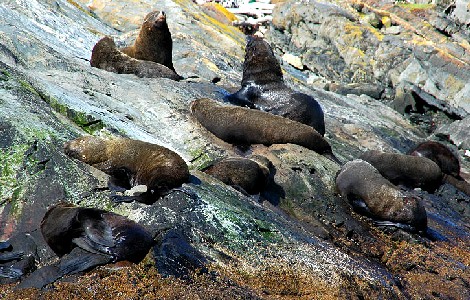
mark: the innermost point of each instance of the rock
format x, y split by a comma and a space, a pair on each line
293, 60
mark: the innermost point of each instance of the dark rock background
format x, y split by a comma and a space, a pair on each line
383, 84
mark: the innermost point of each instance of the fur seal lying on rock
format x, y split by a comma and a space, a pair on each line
447, 160
407, 170
87, 237
18, 257
263, 88
131, 163
247, 174
105, 55
360, 181
244, 126
154, 41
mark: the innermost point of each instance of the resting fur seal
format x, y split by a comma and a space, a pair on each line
131, 163
87, 237
383, 200
447, 160
263, 88
154, 41
244, 126
407, 170
105, 55
247, 174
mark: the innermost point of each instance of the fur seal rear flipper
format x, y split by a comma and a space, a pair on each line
244, 126
263, 88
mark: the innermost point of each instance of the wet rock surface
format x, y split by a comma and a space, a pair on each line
299, 238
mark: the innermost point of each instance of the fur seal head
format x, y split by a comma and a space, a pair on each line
359, 182
131, 163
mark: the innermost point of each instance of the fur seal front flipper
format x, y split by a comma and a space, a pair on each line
244, 126
263, 88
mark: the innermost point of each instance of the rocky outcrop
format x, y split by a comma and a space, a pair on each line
296, 239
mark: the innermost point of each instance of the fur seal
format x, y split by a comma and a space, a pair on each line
360, 181
154, 41
84, 238
244, 126
407, 170
239, 172
105, 55
446, 159
131, 163
263, 88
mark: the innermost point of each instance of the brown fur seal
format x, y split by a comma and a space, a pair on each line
244, 126
263, 88
131, 163
447, 160
85, 238
359, 180
249, 175
407, 170
154, 42
105, 55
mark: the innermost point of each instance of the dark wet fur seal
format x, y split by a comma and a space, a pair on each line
446, 159
154, 41
244, 126
131, 162
263, 88
407, 170
360, 181
105, 55
18, 257
239, 172
87, 237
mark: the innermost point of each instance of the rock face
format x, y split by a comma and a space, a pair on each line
298, 238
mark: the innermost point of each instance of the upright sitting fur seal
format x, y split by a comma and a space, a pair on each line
131, 163
447, 160
154, 42
239, 172
87, 237
263, 88
407, 170
244, 126
361, 183
105, 55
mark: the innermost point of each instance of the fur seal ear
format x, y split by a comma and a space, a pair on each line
383, 201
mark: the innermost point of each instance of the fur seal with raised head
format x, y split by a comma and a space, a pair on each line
154, 41
446, 159
263, 88
244, 126
105, 55
84, 238
361, 183
131, 163
407, 170
239, 172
